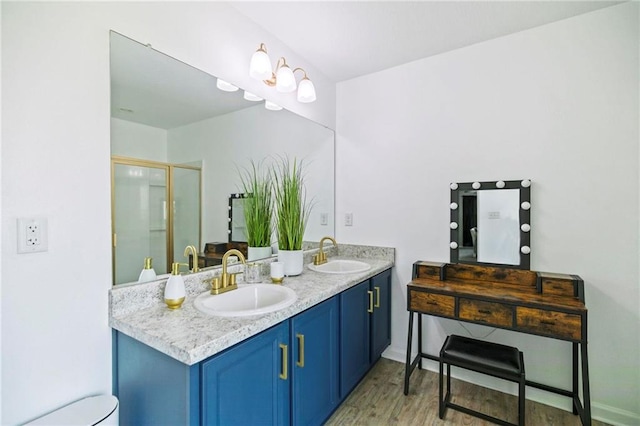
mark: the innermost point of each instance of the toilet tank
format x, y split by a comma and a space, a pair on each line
95, 410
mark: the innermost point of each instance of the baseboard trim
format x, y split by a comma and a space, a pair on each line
604, 413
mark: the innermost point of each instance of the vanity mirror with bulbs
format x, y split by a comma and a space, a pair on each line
491, 223
169, 115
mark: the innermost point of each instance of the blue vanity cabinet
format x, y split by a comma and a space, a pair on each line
380, 285
314, 364
365, 328
248, 384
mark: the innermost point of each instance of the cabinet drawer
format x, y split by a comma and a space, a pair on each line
486, 312
549, 323
429, 303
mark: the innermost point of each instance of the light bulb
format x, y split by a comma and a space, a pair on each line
285, 81
271, 106
251, 97
260, 66
306, 91
225, 86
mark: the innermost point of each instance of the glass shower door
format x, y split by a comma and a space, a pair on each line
140, 194
186, 210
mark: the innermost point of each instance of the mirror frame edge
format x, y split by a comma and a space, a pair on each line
524, 217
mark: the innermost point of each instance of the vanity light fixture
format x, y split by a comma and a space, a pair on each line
225, 86
283, 77
271, 106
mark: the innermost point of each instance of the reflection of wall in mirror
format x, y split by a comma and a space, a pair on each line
230, 141
498, 226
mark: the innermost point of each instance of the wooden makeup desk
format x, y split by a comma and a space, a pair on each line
550, 305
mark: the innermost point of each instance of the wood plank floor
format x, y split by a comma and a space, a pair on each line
379, 400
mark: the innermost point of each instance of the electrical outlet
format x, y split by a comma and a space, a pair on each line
348, 219
32, 235
324, 218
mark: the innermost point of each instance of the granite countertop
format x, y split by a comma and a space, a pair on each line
191, 336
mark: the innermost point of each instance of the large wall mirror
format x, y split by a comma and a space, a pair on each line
490, 223
167, 113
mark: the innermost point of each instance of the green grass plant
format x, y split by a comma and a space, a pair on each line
258, 204
292, 208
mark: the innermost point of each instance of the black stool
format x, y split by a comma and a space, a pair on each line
489, 358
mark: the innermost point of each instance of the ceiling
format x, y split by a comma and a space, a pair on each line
345, 40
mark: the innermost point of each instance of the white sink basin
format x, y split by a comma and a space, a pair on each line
341, 266
256, 299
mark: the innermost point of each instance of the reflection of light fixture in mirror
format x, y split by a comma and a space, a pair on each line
500, 184
271, 106
525, 249
454, 186
225, 86
525, 183
453, 245
525, 205
453, 225
476, 185
453, 206
283, 77
251, 97
525, 227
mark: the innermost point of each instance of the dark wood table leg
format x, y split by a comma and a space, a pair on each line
586, 395
575, 378
420, 340
407, 367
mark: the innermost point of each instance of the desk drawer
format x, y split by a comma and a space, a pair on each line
486, 312
549, 323
429, 303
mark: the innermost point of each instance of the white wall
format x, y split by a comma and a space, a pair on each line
557, 104
135, 140
55, 163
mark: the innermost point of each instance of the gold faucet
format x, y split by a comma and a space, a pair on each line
226, 281
321, 257
193, 251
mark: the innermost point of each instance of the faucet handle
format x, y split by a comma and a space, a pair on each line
215, 285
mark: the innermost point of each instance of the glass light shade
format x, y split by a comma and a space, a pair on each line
271, 106
251, 97
225, 86
285, 81
306, 91
260, 66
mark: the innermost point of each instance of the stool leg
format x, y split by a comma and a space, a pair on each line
407, 367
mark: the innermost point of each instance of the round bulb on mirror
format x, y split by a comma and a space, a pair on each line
272, 106
306, 91
453, 206
525, 227
453, 186
251, 97
525, 205
260, 65
500, 184
453, 225
525, 183
525, 249
453, 245
476, 185
285, 81
225, 86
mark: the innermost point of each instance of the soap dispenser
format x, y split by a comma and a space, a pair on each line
147, 274
174, 292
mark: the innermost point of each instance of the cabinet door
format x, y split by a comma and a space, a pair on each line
381, 316
249, 383
354, 336
314, 339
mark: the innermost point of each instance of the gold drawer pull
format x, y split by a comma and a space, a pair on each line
377, 305
370, 301
300, 362
285, 361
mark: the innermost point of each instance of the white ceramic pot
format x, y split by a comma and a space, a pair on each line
293, 261
255, 253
